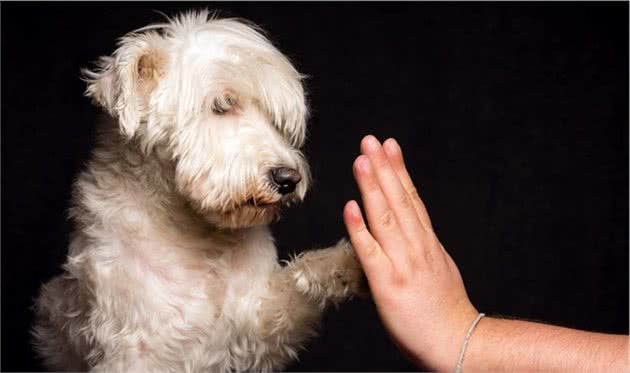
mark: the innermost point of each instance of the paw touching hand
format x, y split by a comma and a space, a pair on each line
333, 274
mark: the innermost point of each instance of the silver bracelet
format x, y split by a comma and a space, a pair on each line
458, 368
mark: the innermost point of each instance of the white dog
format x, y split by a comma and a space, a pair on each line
171, 265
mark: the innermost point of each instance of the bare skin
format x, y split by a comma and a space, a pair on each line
420, 295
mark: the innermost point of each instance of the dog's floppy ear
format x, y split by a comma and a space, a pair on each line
123, 83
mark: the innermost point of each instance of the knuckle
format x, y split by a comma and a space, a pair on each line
405, 201
381, 162
399, 279
428, 258
361, 229
386, 220
415, 262
371, 249
366, 242
422, 257
417, 246
397, 163
372, 186
412, 192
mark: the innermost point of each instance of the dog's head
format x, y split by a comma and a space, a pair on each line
218, 100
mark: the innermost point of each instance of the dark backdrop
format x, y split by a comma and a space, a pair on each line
513, 117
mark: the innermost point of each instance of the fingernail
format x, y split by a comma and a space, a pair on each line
396, 145
353, 208
391, 147
352, 212
372, 143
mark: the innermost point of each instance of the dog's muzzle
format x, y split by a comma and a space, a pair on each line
285, 179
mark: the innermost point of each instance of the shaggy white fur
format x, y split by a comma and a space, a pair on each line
171, 265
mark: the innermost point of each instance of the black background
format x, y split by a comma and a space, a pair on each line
513, 118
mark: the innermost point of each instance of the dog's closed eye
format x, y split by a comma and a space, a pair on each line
224, 103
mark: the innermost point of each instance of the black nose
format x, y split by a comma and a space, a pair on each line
285, 179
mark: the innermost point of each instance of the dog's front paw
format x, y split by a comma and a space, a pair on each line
333, 274
350, 274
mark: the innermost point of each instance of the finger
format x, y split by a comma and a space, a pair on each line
368, 250
381, 219
395, 156
395, 194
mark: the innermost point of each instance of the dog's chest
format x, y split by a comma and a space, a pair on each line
201, 295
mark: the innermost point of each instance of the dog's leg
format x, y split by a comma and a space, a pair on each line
301, 291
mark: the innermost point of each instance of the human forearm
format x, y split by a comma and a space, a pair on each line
511, 346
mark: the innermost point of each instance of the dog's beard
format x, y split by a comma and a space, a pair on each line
249, 215
260, 210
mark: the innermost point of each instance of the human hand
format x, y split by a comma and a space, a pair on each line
417, 288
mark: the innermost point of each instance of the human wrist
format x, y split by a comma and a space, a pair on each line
445, 354
464, 356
